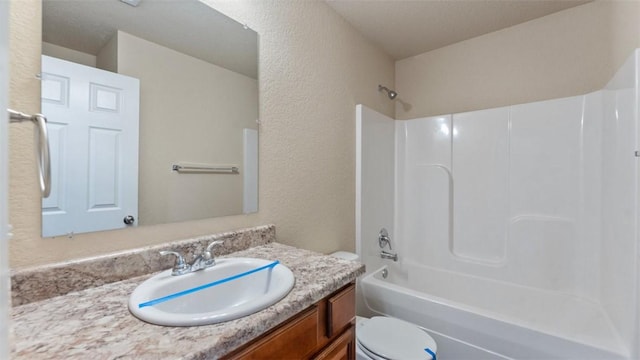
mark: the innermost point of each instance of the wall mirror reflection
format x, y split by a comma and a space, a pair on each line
133, 89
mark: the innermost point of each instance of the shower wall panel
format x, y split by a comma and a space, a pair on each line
544, 189
619, 197
375, 176
424, 188
480, 153
503, 193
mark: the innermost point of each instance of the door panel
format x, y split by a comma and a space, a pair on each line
57, 138
104, 162
93, 117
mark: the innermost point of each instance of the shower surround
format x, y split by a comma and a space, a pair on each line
523, 216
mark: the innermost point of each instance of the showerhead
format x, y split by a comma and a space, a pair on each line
392, 94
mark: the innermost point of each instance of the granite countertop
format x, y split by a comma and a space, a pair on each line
96, 323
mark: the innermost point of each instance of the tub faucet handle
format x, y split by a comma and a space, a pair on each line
384, 239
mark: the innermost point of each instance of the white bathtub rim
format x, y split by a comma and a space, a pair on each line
590, 300
371, 279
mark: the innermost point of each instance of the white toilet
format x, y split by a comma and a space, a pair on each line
385, 338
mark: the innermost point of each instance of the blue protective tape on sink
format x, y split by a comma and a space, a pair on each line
206, 286
430, 352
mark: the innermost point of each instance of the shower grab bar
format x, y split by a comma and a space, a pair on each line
44, 158
206, 168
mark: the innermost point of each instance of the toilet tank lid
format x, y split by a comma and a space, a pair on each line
346, 255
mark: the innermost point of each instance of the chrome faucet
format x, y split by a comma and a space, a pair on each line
202, 261
385, 240
205, 259
388, 255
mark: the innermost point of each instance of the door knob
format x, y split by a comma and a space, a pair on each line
129, 220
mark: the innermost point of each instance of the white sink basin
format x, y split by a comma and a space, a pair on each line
212, 295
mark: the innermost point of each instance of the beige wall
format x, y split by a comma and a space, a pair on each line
190, 111
314, 68
107, 57
24, 90
571, 52
64, 53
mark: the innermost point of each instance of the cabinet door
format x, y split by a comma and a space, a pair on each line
341, 310
343, 348
294, 340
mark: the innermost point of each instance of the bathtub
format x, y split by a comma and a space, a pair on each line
478, 318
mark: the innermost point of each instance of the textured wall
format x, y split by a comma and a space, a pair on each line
24, 91
314, 68
5, 284
571, 52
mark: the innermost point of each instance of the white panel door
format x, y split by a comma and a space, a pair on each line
93, 124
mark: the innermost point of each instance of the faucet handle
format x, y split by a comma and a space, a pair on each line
384, 239
205, 259
212, 244
207, 256
180, 266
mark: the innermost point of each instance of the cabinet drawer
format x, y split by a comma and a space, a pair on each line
341, 310
295, 340
342, 348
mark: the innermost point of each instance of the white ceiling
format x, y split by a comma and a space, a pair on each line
187, 26
404, 28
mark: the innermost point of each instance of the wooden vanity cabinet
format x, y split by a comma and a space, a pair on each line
324, 331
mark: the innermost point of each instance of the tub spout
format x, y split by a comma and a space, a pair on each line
388, 255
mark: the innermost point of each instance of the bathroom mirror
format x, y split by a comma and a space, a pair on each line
194, 151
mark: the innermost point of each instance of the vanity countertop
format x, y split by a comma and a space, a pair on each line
95, 323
